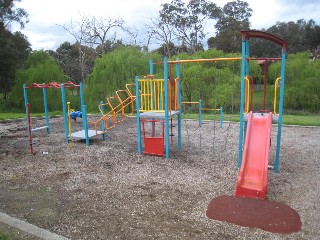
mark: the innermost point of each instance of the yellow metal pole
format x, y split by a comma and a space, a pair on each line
69, 124
247, 96
204, 60
276, 85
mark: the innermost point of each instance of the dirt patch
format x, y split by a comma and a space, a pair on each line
247, 212
108, 191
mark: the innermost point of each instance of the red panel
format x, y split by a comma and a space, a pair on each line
154, 146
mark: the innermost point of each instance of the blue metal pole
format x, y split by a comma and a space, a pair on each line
45, 104
243, 72
138, 115
25, 96
65, 114
247, 42
281, 100
85, 124
221, 116
150, 67
166, 106
102, 122
81, 95
200, 113
180, 107
82, 103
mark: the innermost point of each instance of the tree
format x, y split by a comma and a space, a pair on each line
92, 33
9, 14
14, 47
235, 15
293, 33
67, 56
14, 50
300, 36
113, 71
79, 31
313, 38
98, 32
40, 67
163, 33
233, 18
188, 20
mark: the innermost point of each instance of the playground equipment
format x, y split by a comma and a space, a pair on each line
157, 100
68, 114
255, 128
112, 110
44, 87
75, 114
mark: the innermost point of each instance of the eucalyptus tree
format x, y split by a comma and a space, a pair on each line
9, 14
234, 17
77, 29
164, 33
300, 36
92, 33
187, 21
14, 46
102, 32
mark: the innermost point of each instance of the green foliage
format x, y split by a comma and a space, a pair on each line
13, 52
39, 68
113, 71
9, 13
215, 83
3, 236
234, 17
188, 20
302, 85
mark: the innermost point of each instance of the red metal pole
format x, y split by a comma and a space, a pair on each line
30, 130
265, 84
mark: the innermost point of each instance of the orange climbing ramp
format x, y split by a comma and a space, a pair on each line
253, 176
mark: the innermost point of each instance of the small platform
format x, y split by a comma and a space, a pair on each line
275, 118
158, 115
82, 135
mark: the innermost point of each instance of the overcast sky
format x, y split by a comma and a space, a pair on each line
43, 31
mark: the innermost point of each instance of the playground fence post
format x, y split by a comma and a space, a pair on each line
45, 104
221, 116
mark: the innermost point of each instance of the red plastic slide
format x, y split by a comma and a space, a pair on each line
253, 176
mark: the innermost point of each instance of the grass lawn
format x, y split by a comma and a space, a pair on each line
288, 119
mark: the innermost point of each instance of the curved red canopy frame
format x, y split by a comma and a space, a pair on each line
264, 35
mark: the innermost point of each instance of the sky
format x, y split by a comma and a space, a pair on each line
46, 17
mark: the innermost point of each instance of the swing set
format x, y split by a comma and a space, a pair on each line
44, 87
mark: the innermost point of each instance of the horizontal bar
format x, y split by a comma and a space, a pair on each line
39, 128
212, 109
156, 111
215, 60
190, 102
